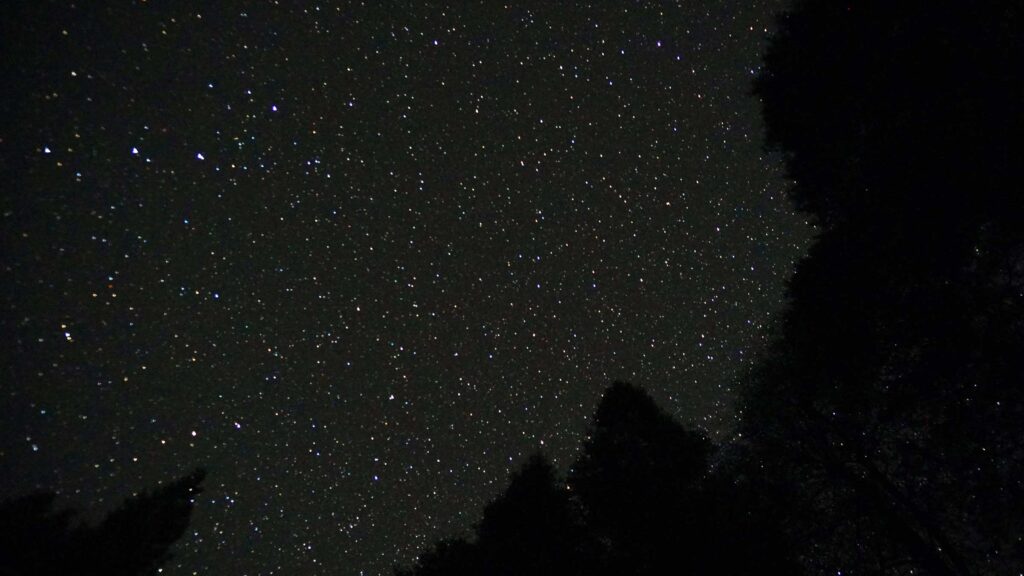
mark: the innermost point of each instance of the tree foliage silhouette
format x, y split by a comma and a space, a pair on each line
893, 394
34, 537
875, 102
638, 479
643, 500
533, 528
133, 540
536, 527
650, 491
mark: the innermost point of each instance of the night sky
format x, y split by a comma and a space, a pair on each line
360, 260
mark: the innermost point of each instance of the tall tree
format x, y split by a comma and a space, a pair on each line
893, 395
637, 478
649, 490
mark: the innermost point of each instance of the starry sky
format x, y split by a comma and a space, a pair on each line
360, 259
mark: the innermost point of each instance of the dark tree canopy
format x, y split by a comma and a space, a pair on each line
893, 394
879, 105
133, 540
33, 534
635, 448
642, 500
649, 489
535, 527
638, 479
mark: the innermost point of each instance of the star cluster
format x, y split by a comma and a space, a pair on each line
360, 259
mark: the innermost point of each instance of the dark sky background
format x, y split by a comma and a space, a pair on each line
359, 260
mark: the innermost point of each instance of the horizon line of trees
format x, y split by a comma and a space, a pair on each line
882, 432
646, 496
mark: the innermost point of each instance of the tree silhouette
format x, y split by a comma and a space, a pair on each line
638, 478
533, 528
875, 103
133, 540
892, 396
34, 538
643, 498
536, 527
649, 490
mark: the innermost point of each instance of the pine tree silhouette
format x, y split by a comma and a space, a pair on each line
638, 480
